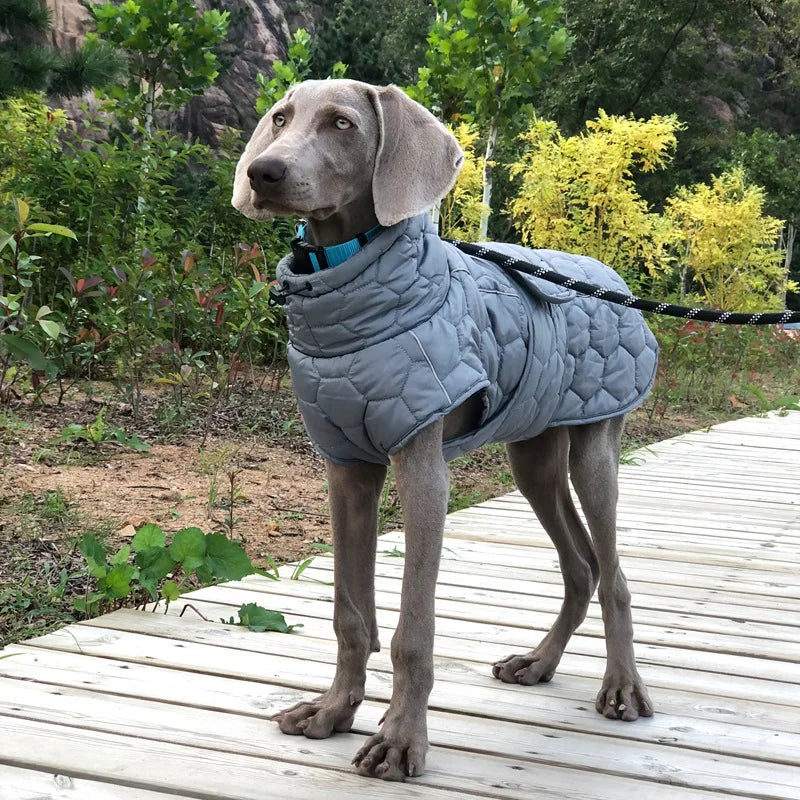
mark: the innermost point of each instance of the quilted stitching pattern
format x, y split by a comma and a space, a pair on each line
409, 327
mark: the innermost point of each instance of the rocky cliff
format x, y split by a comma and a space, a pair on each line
258, 34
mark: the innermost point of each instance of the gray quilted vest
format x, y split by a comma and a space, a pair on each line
409, 327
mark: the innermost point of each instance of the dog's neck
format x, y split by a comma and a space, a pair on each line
345, 224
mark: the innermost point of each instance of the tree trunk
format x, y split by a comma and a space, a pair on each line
491, 143
148, 130
148, 108
791, 233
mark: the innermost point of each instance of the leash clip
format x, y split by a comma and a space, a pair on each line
276, 296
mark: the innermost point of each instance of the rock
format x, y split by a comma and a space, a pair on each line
126, 532
258, 34
716, 108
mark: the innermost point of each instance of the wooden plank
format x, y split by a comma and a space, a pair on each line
172, 767
462, 634
240, 735
509, 610
471, 658
698, 572
235, 777
544, 591
632, 544
470, 547
449, 613
218, 689
17, 783
548, 580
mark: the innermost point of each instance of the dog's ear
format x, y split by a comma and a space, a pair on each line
259, 141
417, 160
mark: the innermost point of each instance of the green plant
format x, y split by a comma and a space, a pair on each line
98, 432
149, 569
303, 565
579, 193
27, 63
259, 619
26, 327
295, 69
171, 51
485, 58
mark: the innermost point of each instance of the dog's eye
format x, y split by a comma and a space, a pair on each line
342, 124
279, 120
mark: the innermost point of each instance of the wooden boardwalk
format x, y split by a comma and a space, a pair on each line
141, 706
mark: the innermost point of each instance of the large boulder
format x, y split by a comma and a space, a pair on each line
258, 34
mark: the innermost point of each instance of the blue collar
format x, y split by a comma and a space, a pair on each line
308, 258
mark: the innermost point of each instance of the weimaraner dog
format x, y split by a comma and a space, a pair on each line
349, 156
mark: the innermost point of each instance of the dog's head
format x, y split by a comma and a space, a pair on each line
330, 144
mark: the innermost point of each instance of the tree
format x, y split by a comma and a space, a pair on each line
295, 69
485, 59
380, 42
28, 64
722, 67
170, 50
770, 160
579, 194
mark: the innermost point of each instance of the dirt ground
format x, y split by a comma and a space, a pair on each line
279, 488
254, 450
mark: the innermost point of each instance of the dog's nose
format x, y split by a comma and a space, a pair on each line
266, 172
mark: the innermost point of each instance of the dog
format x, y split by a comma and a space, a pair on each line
363, 164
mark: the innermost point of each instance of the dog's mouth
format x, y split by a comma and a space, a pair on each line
290, 206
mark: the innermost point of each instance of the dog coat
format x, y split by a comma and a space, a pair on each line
408, 328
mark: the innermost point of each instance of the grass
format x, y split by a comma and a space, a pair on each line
41, 570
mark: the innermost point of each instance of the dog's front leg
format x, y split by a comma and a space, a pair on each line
398, 749
354, 495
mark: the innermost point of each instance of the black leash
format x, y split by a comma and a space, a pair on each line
508, 263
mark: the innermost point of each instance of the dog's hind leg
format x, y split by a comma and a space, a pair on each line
594, 463
354, 494
539, 466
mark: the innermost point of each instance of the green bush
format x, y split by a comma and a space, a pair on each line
163, 273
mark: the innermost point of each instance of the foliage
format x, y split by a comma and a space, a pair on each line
260, 619
578, 193
27, 328
770, 161
460, 211
29, 63
183, 297
99, 432
485, 59
718, 368
720, 66
295, 69
170, 50
380, 42
728, 243
150, 569
26, 121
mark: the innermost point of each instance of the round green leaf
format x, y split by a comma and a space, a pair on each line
149, 535
52, 329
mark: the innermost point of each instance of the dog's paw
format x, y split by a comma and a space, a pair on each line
319, 718
538, 666
395, 752
623, 697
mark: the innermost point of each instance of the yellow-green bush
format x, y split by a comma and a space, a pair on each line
460, 211
578, 192
728, 245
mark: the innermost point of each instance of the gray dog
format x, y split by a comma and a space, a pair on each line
404, 351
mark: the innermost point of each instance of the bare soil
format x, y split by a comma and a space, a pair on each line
253, 449
279, 487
